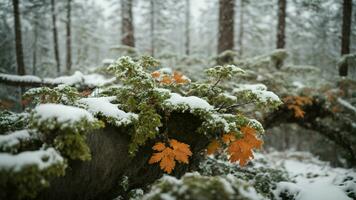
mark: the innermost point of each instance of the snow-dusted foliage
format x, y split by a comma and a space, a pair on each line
275, 175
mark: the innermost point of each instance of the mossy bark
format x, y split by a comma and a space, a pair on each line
100, 177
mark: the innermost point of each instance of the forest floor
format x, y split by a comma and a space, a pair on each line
311, 178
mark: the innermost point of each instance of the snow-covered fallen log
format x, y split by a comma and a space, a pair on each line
100, 178
77, 79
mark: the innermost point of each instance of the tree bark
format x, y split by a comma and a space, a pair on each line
346, 33
100, 177
55, 36
226, 25
34, 49
127, 28
187, 27
282, 5
18, 39
281, 27
241, 29
68, 38
152, 27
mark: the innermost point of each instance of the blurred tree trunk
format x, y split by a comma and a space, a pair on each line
241, 29
187, 27
18, 43
34, 49
226, 25
346, 32
281, 27
152, 27
18, 39
55, 36
127, 23
68, 38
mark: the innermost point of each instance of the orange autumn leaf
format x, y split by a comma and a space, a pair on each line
229, 137
298, 112
213, 147
166, 80
179, 78
241, 149
295, 103
155, 74
167, 156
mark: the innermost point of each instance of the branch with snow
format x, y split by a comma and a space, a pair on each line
77, 79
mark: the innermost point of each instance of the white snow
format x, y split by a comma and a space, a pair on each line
252, 87
320, 190
314, 179
108, 61
13, 139
61, 113
192, 102
97, 80
260, 90
40, 158
103, 106
76, 78
17, 78
346, 104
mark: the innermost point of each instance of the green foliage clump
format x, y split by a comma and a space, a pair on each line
68, 137
25, 181
263, 180
196, 186
10, 121
62, 94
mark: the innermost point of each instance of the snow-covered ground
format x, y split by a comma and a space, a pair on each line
313, 179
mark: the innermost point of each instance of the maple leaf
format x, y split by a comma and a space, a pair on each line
241, 149
166, 80
167, 156
179, 78
181, 151
229, 137
155, 74
213, 147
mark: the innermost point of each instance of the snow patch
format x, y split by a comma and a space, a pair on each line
61, 113
102, 105
192, 102
40, 158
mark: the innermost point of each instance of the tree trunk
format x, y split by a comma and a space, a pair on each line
152, 27
18, 43
34, 49
281, 27
346, 32
55, 36
68, 38
127, 28
226, 25
187, 27
18, 39
241, 29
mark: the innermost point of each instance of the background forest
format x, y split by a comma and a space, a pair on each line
235, 73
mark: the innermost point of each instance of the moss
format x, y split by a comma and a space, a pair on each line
28, 182
10, 121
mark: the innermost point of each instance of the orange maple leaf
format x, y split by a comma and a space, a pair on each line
155, 74
167, 156
179, 78
241, 149
166, 80
228, 138
213, 147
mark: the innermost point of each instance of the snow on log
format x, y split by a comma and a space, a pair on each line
77, 79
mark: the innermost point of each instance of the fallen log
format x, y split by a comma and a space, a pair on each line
320, 119
100, 177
